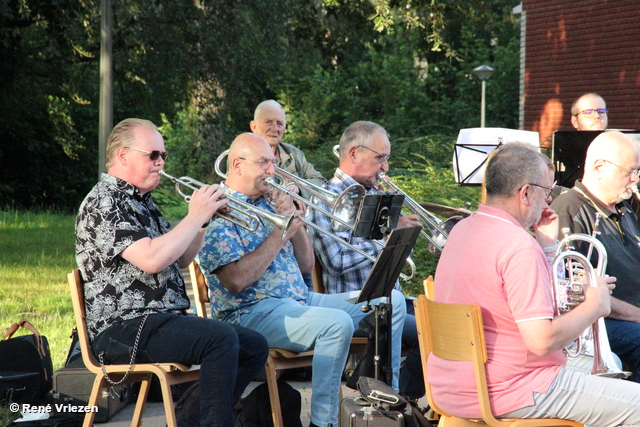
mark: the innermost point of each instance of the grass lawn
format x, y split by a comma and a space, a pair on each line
36, 253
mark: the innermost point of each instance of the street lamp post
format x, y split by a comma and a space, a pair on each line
483, 72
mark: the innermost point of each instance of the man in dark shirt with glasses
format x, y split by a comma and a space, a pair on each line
610, 173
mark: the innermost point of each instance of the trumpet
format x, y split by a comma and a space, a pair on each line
569, 292
344, 206
439, 229
249, 219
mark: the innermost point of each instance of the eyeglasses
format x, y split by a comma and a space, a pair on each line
631, 173
591, 113
264, 163
381, 157
548, 191
153, 155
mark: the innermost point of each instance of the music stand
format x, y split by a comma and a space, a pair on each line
381, 281
474, 146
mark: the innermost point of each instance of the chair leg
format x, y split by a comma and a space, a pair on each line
168, 401
141, 401
98, 384
274, 396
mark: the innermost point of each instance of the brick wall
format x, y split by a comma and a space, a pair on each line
573, 47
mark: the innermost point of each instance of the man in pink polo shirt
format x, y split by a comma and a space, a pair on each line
506, 273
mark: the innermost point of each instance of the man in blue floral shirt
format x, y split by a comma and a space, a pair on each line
255, 280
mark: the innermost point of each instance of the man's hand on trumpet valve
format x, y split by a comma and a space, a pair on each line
409, 221
206, 201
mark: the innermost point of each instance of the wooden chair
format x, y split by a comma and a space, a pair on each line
167, 373
279, 359
455, 332
429, 287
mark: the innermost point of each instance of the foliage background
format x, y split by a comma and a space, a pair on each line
198, 68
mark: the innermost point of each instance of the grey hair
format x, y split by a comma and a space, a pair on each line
359, 133
123, 135
512, 166
268, 103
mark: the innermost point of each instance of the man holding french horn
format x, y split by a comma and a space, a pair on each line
610, 179
255, 277
492, 261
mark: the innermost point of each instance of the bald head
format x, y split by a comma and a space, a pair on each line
610, 167
247, 156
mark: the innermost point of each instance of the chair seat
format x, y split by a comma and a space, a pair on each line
281, 352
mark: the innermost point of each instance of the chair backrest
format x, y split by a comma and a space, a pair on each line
76, 286
429, 287
200, 288
454, 332
316, 275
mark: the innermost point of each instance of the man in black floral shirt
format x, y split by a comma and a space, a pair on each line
130, 262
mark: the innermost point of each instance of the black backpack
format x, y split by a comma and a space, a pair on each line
256, 407
28, 357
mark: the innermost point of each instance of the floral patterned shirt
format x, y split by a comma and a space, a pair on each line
113, 216
225, 243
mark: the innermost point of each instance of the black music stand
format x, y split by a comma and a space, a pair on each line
381, 281
378, 214
569, 151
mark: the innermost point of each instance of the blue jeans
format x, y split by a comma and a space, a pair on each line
589, 399
229, 356
624, 340
326, 324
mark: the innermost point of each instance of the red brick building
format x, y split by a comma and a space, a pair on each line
572, 47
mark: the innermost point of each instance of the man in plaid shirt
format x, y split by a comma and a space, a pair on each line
364, 153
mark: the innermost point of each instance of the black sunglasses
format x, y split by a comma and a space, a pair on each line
153, 155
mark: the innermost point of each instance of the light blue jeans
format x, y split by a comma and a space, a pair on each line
589, 399
326, 324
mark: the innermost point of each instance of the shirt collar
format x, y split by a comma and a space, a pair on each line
621, 207
124, 186
497, 213
241, 196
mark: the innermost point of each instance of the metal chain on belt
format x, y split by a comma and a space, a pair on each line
133, 357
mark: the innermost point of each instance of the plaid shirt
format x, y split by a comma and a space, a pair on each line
343, 269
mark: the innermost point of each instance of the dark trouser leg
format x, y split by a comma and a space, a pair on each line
624, 340
411, 377
227, 355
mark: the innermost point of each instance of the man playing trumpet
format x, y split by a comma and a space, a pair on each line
255, 280
490, 260
135, 296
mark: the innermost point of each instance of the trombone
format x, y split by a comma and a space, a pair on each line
439, 229
249, 220
345, 206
